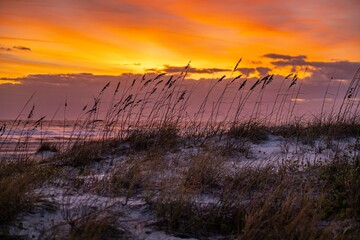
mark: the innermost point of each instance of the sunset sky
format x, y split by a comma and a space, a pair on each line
116, 37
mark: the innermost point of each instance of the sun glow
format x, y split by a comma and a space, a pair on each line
110, 37
14, 82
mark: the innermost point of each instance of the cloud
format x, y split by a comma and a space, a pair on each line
22, 48
263, 70
285, 57
51, 91
5, 49
321, 70
246, 70
340, 69
79, 89
178, 69
21, 39
208, 31
11, 58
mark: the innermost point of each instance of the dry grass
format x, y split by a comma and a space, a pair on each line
80, 154
162, 138
311, 201
126, 179
316, 129
204, 172
46, 146
17, 180
262, 203
96, 229
251, 131
179, 163
15, 184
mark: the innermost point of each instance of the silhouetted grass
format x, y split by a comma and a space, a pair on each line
187, 166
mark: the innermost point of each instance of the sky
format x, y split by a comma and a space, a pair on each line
51, 40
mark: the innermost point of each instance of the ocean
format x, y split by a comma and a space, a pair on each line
25, 137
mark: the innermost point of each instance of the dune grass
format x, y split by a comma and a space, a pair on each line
186, 167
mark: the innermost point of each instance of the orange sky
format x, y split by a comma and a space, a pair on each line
118, 36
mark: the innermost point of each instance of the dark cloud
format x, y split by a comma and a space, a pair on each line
246, 70
79, 90
5, 49
292, 62
340, 69
132, 64
51, 91
321, 70
263, 70
152, 70
22, 39
285, 57
256, 62
177, 69
74, 80
22, 48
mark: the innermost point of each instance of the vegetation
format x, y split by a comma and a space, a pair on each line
47, 147
17, 181
188, 175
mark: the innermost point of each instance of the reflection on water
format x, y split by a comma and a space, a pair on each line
25, 137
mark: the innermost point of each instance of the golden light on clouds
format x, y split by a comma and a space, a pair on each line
9, 82
113, 37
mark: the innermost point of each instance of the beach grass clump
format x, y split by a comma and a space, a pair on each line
313, 204
138, 175
233, 147
17, 179
341, 178
204, 172
126, 179
183, 213
249, 180
162, 138
314, 130
95, 228
280, 214
269, 203
81, 154
335, 130
141, 140
15, 197
47, 147
251, 131
186, 218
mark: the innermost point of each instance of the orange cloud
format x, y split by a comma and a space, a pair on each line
107, 36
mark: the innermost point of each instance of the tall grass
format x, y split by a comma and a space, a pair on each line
150, 103
151, 117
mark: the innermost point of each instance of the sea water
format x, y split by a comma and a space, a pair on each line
25, 137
